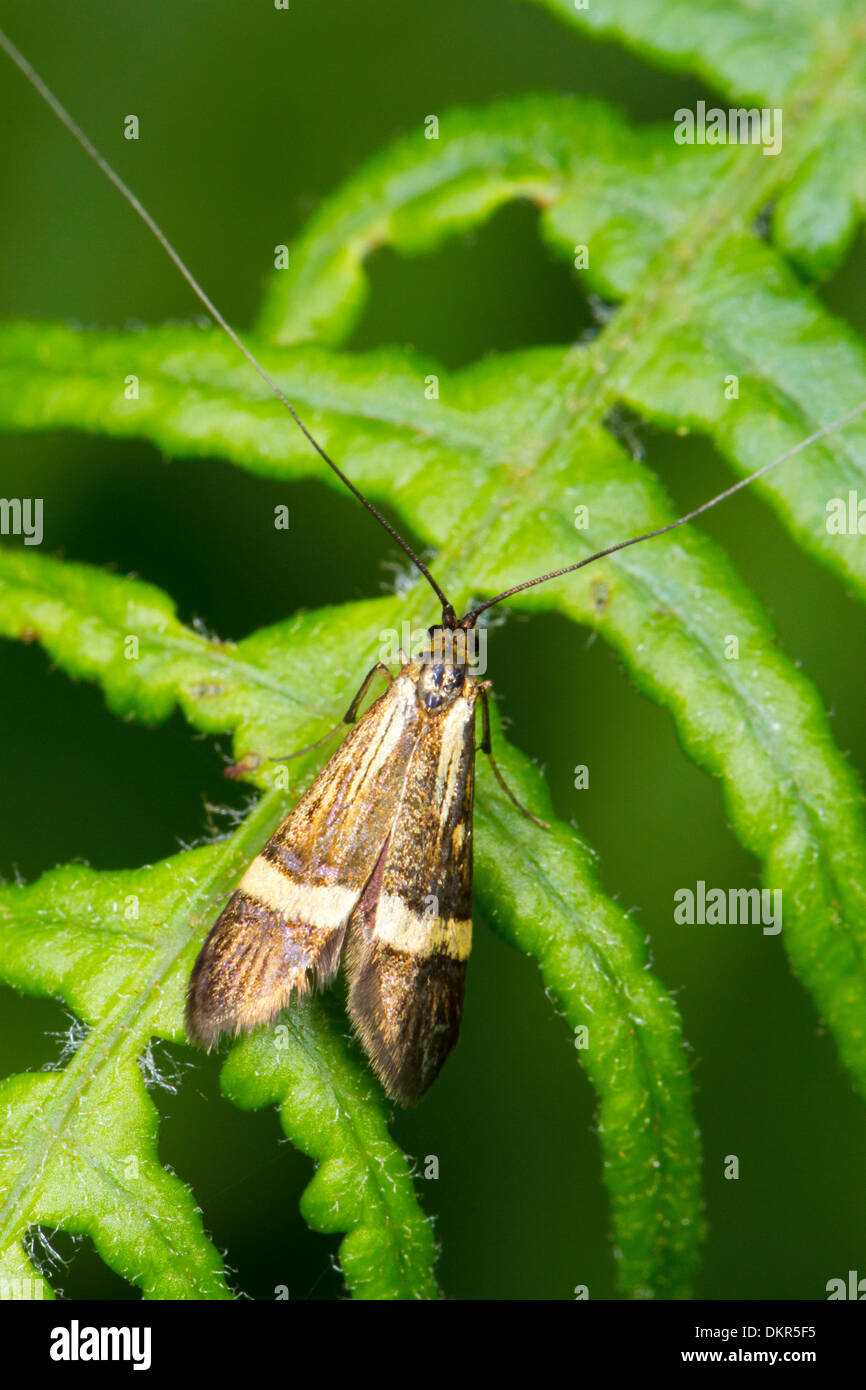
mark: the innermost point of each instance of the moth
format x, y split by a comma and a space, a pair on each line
373, 867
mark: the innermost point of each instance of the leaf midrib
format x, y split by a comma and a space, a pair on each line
121, 1035
614, 351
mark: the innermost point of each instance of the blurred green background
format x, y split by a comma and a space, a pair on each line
249, 117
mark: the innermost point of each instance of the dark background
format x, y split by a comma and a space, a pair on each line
249, 117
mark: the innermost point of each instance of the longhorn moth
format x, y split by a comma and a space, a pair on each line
373, 867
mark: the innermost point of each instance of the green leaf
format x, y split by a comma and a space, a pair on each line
544, 898
492, 471
332, 1109
80, 1145
660, 220
669, 609
670, 234
806, 59
284, 685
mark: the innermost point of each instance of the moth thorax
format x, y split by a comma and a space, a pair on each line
439, 683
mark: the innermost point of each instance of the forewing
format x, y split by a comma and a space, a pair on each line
411, 932
283, 928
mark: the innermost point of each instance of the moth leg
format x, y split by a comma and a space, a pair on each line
380, 669
308, 748
348, 718
486, 747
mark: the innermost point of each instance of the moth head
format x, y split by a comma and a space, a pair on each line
439, 684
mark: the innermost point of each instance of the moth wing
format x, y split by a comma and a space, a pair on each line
283, 928
411, 932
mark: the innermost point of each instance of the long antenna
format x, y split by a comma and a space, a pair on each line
470, 619
89, 148
448, 615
